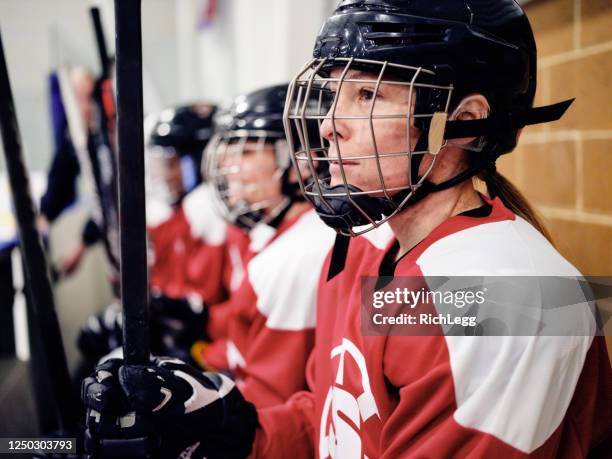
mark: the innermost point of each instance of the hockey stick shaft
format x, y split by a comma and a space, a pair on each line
100, 41
134, 282
35, 262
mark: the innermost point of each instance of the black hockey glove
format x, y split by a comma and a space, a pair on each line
189, 413
176, 324
101, 334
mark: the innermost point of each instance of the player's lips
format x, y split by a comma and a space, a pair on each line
334, 166
336, 162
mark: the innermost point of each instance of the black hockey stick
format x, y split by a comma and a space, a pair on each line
134, 282
133, 254
35, 262
104, 161
100, 42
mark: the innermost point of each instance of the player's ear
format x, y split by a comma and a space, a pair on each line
471, 107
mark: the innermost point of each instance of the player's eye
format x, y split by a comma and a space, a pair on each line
366, 94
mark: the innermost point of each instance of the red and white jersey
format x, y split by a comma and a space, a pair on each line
205, 266
445, 396
188, 245
236, 251
241, 247
271, 331
235, 254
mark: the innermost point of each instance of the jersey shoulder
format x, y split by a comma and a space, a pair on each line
492, 374
205, 221
285, 274
157, 212
507, 247
364, 250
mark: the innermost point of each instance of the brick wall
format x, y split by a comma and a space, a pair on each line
565, 168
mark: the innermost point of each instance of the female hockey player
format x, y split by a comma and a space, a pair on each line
270, 318
186, 238
426, 95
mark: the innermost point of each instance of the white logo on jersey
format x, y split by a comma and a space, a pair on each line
237, 268
234, 357
340, 439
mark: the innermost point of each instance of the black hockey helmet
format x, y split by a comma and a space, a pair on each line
253, 117
256, 112
177, 135
187, 129
443, 50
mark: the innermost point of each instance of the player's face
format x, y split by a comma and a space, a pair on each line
173, 175
254, 175
354, 139
83, 85
166, 170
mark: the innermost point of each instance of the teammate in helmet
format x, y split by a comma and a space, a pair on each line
248, 162
270, 317
425, 96
186, 239
176, 202
175, 146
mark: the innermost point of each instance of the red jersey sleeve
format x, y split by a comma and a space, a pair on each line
290, 426
285, 428
270, 380
219, 316
523, 404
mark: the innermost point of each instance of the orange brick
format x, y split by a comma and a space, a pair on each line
588, 246
596, 17
549, 172
596, 176
508, 166
589, 80
553, 24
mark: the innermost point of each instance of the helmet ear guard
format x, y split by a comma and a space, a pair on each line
514, 120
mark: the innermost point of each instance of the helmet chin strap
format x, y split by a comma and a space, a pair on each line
246, 218
346, 215
277, 215
340, 213
291, 195
291, 190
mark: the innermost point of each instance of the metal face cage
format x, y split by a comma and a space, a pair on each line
314, 82
223, 167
